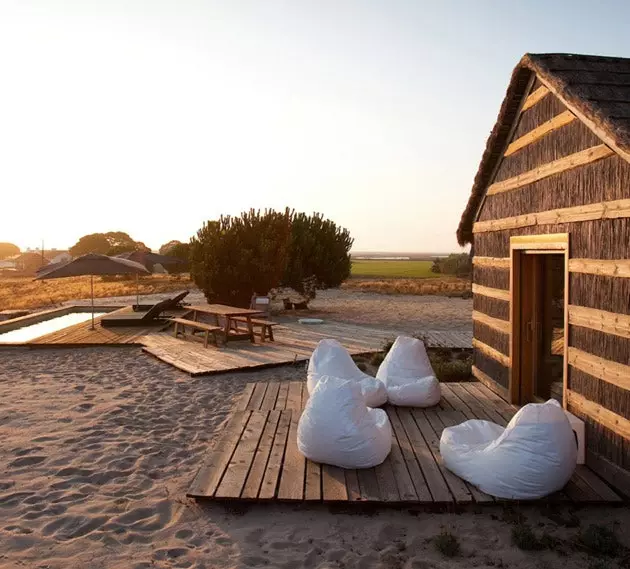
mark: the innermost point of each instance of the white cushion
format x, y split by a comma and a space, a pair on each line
338, 428
408, 376
330, 358
534, 456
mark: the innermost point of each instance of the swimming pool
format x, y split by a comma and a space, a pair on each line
29, 332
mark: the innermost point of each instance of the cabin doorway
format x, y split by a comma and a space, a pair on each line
539, 301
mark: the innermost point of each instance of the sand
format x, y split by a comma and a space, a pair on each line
98, 447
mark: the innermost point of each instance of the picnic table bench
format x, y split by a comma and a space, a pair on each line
266, 326
196, 326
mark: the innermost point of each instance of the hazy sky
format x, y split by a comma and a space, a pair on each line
153, 116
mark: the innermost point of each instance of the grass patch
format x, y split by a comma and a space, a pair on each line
600, 541
24, 292
524, 537
440, 286
447, 544
392, 268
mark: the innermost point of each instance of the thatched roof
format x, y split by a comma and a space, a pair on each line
597, 87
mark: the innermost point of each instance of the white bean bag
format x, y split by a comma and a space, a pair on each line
408, 376
532, 457
330, 358
338, 428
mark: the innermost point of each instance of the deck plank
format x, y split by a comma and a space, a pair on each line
283, 392
259, 464
294, 465
209, 476
276, 457
271, 395
237, 469
256, 400
352, 485
246, 395
313, 483
334, 484
457, 486
406, 470
456, 402
368, 485
432, 474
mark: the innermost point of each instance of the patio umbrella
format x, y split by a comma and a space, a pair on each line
92, 264
148, 260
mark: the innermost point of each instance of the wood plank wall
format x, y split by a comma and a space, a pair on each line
556, 176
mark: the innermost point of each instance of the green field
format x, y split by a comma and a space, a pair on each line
392, 269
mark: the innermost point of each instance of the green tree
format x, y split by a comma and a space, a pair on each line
319, 252
164, 249
8, 250
234, 257
180, 251
459, 264
111, 243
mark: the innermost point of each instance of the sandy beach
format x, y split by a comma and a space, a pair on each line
100, 444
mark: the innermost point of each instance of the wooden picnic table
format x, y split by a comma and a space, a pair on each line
228, 313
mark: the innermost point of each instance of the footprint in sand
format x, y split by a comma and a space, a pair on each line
27, 461
84, 407
24, 451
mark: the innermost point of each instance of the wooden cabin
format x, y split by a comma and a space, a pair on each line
548, 219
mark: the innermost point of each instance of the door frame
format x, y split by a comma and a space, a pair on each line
519, 246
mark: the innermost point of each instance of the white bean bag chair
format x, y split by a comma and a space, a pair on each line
330, 358
408, 376
338, 428
532, 457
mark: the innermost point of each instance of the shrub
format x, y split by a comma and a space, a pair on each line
235, 257
459, 264
600, 541
319, 254
447, 544
526, 539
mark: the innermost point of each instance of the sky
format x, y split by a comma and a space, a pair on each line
154, 116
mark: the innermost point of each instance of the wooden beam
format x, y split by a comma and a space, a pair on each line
603, 210
497, 324
545, 128
595, 127
601, 320
605, 417
561, 165
610, 372
490, 383
545, 242
534, 97
497, 293
496, 262
603, 267
491, 352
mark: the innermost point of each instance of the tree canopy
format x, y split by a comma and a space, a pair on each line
8, 250
459, 264
111, 243
164, 249
235, 257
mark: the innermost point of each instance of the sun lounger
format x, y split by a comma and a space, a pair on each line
176, 302
148, 318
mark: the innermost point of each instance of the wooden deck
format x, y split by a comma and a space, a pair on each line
82, 334
256, 457
293, 343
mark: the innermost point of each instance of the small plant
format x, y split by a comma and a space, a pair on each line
447, 544
456, 370
377, 359
600, 541
524, 537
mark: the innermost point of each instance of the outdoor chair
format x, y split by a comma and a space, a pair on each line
176, 302
149, 318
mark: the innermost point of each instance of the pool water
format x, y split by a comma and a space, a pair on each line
28, 333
